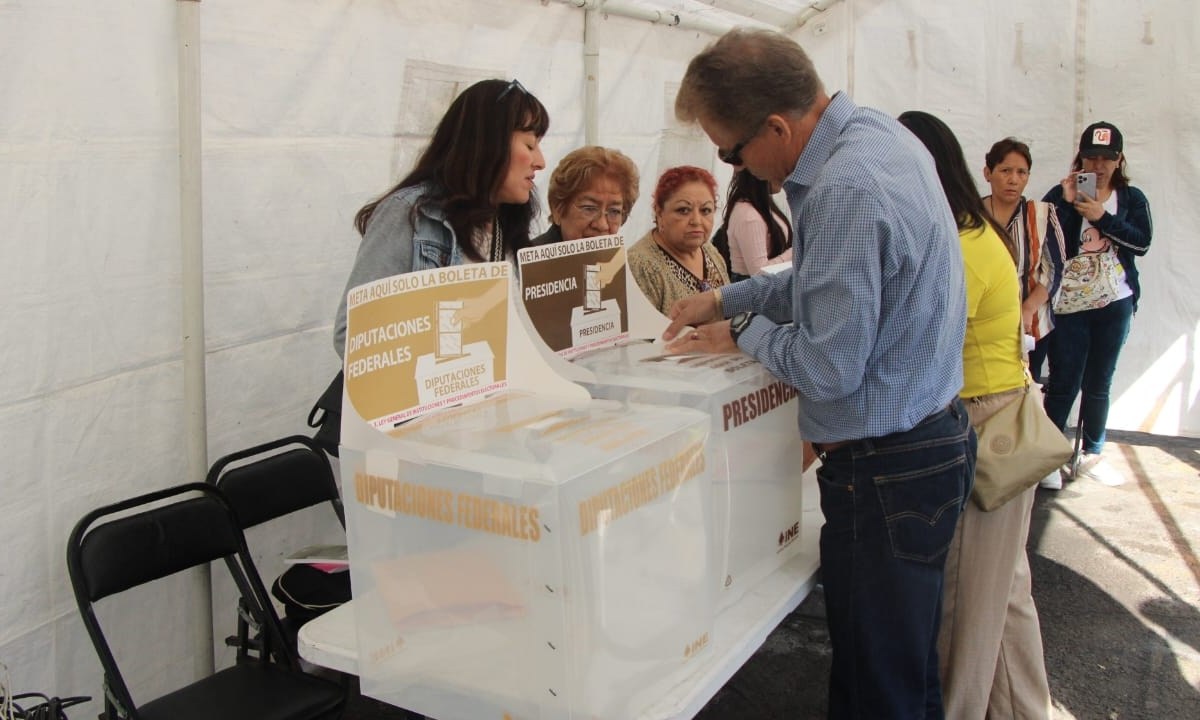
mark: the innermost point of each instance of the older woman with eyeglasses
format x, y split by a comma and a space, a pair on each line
675, 259
592, 191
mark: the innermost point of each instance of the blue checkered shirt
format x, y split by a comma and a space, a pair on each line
876, 296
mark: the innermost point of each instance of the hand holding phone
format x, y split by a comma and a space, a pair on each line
1085, 182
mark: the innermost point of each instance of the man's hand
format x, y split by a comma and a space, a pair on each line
695, 311
710, 338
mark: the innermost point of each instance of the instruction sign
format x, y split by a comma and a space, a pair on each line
574, 293
426, 340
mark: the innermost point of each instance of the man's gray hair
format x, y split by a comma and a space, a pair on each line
743, 77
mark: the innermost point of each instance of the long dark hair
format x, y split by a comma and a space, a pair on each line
467, 159
963, 196
744, 187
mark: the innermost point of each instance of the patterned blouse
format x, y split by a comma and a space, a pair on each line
1042, 251
664, 281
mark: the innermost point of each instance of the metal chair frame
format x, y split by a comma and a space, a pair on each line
159, 534
265, 482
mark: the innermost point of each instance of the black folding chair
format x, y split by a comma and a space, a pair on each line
269, 481
168, 531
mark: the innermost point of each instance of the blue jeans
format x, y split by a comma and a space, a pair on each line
891, 505
1084, 355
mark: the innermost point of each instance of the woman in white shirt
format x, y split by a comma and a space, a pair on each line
1099, 292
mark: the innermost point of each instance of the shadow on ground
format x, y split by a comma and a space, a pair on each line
1103, 661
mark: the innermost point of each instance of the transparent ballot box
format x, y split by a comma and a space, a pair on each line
532, 557
756, 453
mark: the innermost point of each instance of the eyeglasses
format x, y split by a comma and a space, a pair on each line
733, 156
612, 215
514, 85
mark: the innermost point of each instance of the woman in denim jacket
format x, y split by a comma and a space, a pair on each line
468, 199
1087, 342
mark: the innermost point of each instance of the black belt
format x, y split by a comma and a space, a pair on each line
826, 448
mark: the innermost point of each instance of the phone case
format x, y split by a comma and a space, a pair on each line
1086, 183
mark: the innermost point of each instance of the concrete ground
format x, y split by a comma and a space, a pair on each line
1116, 578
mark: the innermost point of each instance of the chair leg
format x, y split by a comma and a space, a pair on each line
244, 643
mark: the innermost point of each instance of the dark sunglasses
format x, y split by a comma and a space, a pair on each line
514, 85
733, 156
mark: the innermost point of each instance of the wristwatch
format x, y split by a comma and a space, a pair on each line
738, 324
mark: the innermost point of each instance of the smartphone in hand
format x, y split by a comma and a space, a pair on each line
1085, 182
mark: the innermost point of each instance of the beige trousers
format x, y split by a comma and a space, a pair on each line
990, 642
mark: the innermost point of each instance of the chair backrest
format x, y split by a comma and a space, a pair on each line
107, 557
130, 551
267, 481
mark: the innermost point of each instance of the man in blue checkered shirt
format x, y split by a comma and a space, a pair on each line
868, 327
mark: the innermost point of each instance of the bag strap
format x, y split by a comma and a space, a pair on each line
1021, 354
329, 401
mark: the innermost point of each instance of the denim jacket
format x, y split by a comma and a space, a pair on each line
399, 240
1130, 229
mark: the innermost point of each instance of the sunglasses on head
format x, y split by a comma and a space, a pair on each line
515, 84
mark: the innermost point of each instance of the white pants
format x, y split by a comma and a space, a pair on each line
990, 642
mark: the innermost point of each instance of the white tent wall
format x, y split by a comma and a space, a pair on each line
90, 400
1041, 72
312, 107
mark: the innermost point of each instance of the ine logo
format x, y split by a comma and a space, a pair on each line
789, 535
696, 646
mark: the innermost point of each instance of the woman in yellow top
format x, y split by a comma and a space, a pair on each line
990, 643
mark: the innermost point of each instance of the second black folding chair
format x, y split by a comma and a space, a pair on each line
269, 481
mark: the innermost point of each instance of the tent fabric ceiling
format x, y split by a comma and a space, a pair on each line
777, 13
784, 15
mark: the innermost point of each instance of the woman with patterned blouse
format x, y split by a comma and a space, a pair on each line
1037, 239
675, 259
